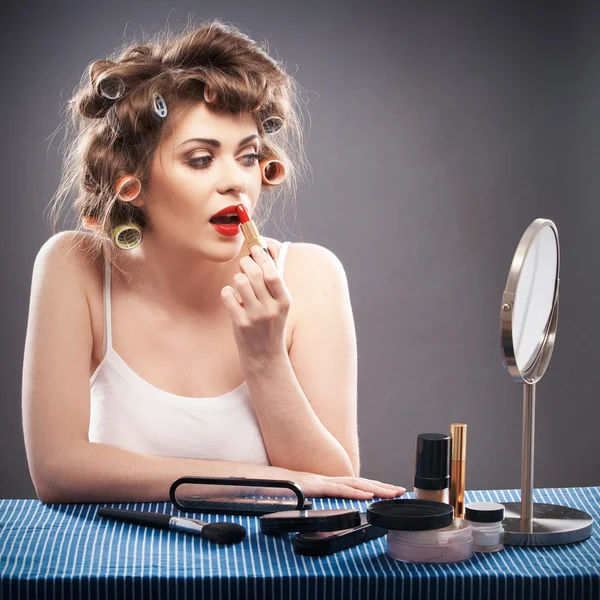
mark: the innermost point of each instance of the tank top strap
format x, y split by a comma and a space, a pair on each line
282, 256
107, 340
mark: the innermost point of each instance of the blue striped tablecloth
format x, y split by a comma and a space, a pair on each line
65, 551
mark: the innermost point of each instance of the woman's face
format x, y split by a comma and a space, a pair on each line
192, 179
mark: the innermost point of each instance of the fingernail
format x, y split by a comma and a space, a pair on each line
258, 254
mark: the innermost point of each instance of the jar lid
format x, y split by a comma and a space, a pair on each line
410, 514
484, 512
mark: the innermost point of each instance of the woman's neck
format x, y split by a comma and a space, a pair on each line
180, 279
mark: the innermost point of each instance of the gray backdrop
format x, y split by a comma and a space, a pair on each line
442, 133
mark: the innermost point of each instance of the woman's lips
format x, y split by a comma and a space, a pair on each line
229, 229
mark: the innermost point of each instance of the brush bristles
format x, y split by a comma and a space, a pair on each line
224, 533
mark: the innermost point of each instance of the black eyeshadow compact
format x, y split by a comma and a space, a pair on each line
311, 520
321, 543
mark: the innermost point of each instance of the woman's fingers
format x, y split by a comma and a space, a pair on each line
232, 303
245, 290
270, 273
398, 488
340, 490
376, 487
260, 286
383, 492
250, 284
356, 488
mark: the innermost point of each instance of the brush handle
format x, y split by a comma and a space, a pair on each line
138, 517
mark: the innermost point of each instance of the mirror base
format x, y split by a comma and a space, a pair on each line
552, 525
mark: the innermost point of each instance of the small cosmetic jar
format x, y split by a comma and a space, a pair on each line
486, 520
422, 531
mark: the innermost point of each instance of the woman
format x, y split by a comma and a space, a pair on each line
157, 347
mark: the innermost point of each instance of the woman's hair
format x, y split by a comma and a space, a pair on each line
107, 139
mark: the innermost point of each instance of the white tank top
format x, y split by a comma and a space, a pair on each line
128, 412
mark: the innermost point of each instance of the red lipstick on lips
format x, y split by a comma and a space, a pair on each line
251, 235
242, 213
224, 228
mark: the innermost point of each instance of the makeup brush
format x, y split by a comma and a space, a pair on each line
251, 235
221, 533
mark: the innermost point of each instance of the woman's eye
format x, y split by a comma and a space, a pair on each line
252, 159
203, 162
200, 162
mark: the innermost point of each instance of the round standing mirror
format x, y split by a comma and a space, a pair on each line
529, 312
535, 298
528, 320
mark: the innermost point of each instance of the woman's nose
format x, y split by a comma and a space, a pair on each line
232, 178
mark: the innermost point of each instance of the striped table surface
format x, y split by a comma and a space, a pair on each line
66, 551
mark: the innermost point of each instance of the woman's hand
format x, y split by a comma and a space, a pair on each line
357, 488
260, 309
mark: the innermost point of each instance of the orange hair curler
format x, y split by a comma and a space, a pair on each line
90, 223
273, 171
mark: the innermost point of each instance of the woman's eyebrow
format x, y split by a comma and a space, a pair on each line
216, 143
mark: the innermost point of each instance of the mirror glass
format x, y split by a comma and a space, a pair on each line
534, 297
211, 497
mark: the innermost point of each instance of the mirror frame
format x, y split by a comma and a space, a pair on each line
536, 368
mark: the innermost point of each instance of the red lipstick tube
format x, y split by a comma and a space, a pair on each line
251, 235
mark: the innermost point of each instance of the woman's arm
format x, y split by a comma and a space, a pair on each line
64, 465
89, 472
306, 402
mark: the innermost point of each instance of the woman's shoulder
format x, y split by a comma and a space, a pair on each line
305, 261
307, 252
72, 252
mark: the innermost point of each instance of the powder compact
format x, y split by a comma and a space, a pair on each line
422, 531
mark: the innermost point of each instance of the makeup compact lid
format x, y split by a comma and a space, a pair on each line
410, 515
432, 461
484, 512
311, 520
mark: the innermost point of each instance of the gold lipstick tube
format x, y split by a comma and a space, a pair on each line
458, 434
252, 237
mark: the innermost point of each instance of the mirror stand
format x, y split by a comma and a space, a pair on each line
534, 524
528, 323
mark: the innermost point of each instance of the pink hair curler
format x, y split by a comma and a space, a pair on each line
128, 188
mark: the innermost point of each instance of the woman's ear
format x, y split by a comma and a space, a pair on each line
138, 202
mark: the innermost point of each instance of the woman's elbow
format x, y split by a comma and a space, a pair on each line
49, 481
345, 467
48, 494
354, 462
